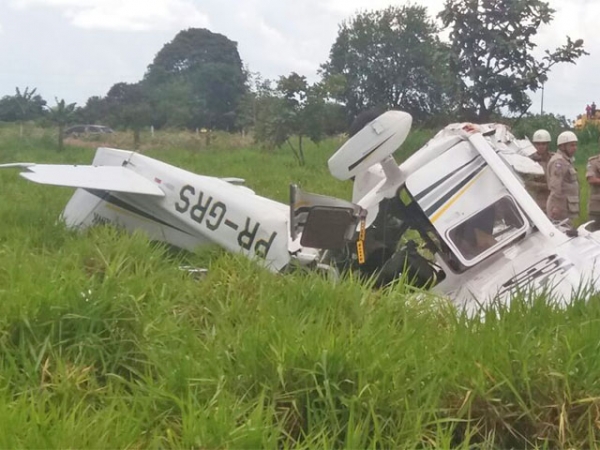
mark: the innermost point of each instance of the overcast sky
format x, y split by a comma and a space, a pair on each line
74, 49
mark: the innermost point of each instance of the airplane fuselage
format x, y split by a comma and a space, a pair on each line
195, 210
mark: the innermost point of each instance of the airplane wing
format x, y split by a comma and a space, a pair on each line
106, 178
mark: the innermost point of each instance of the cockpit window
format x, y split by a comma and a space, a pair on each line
492, 227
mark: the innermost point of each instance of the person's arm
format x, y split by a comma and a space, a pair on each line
556, 173
591, 174
538, 185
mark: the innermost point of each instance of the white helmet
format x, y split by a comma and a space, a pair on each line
541, 136
565, 137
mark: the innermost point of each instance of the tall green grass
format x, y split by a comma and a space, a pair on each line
105, 342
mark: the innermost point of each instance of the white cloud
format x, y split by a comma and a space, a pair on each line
570, 86
125, 15
349, 7
270, 46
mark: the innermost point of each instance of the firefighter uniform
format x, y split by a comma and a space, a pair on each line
593, 170
564, 188
536, 185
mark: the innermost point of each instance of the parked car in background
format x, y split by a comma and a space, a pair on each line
79, 130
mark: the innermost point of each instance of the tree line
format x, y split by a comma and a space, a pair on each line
395, 57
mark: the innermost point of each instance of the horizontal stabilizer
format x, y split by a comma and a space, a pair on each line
14, 165
105, 178
234, 180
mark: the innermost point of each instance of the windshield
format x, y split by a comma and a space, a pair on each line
487, 230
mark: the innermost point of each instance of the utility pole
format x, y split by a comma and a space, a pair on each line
542, 108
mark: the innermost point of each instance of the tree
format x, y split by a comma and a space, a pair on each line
294, 108
129, 107
525, 126
257, 98
172, 104
136, 116
388, 58
210, 66
61, 115
96, 110
492, 53
24, 105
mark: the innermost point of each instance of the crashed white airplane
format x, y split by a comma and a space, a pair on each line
454, 217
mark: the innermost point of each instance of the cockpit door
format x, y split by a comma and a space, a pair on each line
467, 204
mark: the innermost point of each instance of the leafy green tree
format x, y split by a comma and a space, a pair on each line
130, 107
491, 44
61, 115
136, 116
334, 119
293, 108
95, 111
258, 96
210, 66
172, 104
122, 93
526, 125
190, 50
246, 114
388, 58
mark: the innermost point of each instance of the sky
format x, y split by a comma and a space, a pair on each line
75, 49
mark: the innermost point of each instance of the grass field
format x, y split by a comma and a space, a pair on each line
105, 343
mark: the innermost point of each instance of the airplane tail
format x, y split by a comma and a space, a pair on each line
80, 212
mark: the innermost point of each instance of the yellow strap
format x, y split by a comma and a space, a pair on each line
363, 230
360, 251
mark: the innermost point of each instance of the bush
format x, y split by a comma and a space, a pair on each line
526, 126
590, 134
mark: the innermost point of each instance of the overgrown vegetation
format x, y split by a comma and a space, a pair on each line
105, 342
525, 126
60, 115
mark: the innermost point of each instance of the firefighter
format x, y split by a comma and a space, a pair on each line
537, 184
592, 175
563, 201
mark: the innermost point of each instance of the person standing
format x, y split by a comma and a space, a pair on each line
592, 174
536, 185
563, 201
